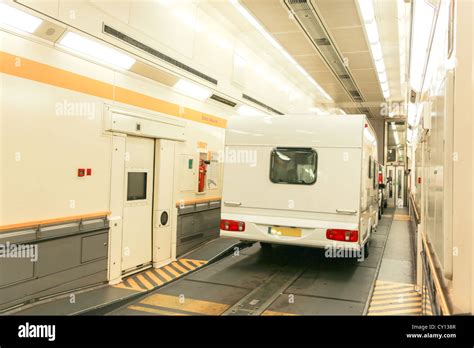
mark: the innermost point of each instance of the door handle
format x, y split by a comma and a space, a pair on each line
233, 204
345, 211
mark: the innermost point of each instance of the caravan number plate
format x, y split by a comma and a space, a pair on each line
285, 231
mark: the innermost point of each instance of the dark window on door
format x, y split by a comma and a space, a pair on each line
136, 187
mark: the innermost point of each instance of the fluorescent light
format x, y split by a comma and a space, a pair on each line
366, 10
275, 44
410, 135
402, 42
411, 114
97, 50
377, 51
380, 66
192, 90
18, 19
246, 110
372, 32
423, 16
395, 133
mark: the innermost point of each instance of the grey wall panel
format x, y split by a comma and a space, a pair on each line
58, 255
94, 247
13, 270
84, 275
197, 227
68, 257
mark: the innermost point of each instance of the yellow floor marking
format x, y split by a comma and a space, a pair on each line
387, 282
391, 286
179, 267
172, 271
123, 286
405, 295
134, 285
401, 300
414, 305
163, 274
390, 298
273, 313
380, 290
145, 282
152, 310
399, 312
187, 264
157, 280
401, 217
393, 291
188, 304
197, 263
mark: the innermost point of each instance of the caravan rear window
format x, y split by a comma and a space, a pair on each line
296, 166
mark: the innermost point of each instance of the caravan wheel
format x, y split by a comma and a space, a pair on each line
366, 249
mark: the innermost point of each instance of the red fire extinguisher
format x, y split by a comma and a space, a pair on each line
202, 175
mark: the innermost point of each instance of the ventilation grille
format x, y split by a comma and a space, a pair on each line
312, 25
223, 100
141, 46
255, 101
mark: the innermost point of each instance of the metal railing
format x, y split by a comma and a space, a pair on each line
432, 289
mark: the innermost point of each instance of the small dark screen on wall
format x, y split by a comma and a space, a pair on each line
136, 188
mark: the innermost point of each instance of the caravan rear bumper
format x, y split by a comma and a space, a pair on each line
298, 232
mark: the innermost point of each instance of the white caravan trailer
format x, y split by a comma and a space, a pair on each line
301, 180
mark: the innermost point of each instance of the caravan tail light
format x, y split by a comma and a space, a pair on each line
232, 225
343, 235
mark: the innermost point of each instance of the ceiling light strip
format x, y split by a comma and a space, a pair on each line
366, 10
252, 20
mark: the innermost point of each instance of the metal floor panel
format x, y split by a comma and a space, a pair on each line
241, 284
335, 281
211, 249
247, 270
82, 301
186, 297
97, 301
394, 292
308, 305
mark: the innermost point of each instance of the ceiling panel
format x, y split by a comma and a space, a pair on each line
324, 77
350, 39
338, 13
312, 63
370, 87
295, 43
359, 60
377, 96
272, 14
364, 75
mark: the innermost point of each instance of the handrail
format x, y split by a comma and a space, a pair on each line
198, 200
415, 209
439, 289
28, 224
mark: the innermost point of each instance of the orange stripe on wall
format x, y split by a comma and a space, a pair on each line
31, 70
35, 71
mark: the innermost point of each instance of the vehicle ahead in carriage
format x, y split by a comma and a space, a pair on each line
313, 181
